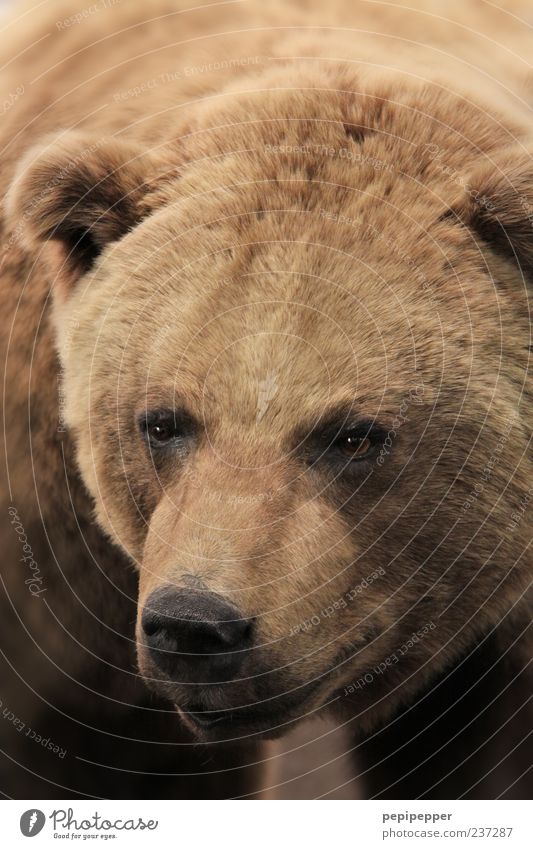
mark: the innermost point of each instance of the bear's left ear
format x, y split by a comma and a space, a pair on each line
497, 204
72, 196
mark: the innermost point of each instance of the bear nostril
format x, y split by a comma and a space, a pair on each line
151, 622
247, 632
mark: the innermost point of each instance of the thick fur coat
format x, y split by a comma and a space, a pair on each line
285, 223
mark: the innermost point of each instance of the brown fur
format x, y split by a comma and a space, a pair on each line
358, 232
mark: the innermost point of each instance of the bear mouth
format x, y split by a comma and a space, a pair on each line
227, 724
223, 723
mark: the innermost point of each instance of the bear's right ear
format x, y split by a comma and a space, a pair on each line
496, 204
71, 197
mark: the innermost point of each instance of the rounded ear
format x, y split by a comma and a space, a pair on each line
497, 203
72, 196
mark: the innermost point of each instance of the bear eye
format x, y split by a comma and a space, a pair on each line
343, 443
161, 427
162, 432
353, 445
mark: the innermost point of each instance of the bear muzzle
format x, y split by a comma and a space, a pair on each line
198, 651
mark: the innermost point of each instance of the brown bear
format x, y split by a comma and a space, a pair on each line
267, 404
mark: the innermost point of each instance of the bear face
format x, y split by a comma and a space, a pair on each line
298, 403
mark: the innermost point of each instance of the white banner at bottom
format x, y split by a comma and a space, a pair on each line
235, 824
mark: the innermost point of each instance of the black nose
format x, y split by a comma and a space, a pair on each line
195, 636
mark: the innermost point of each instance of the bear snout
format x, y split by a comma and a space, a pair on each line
195, 636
